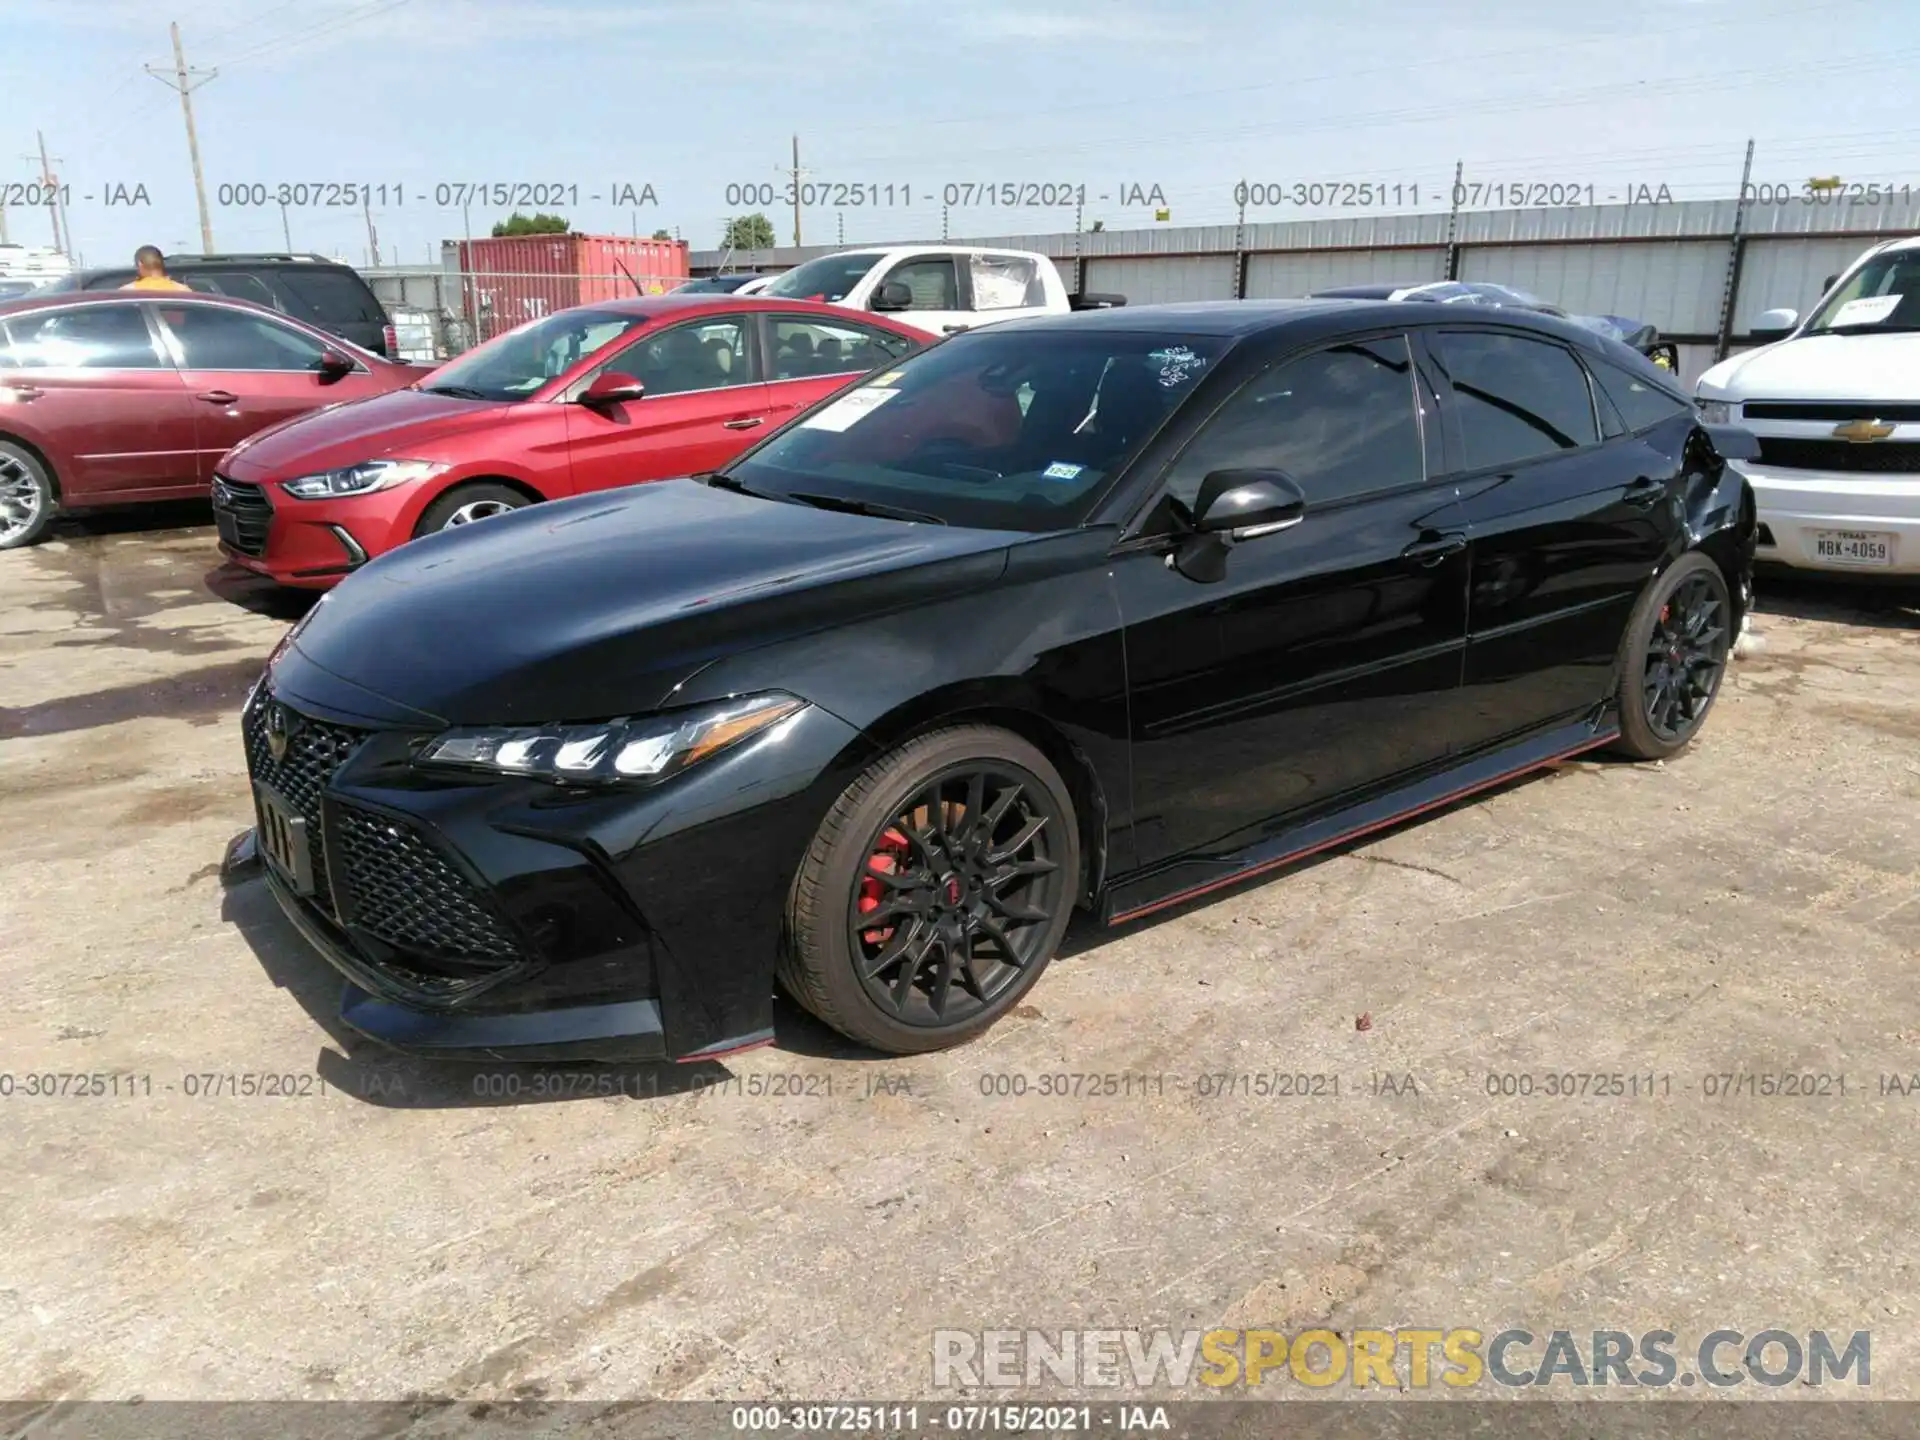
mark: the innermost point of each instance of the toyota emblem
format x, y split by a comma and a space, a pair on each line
279, 731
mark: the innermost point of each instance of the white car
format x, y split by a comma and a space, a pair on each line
941, 289
1835, 406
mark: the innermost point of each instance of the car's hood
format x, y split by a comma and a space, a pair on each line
599, 606
1821, 367
401, 424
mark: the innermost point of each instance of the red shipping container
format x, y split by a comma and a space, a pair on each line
512, 279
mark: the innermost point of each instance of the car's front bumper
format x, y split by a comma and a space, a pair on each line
509, 919
1798, 507
306, 544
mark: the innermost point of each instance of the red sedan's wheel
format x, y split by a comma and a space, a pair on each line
26, 497
465, 504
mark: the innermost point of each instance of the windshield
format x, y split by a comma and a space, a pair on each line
992, 429
514, 365
713, 285
1882, 295
830, 278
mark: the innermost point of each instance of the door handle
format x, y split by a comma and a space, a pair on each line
746, 424
1428, 553
218, 397
1644, 492
23, 392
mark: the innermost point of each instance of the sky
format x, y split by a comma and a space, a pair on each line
901, 105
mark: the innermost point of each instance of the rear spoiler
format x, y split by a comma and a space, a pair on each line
1095, 302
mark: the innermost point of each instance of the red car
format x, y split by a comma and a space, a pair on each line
124, 396
592, 397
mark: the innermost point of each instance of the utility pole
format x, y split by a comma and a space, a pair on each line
373, 237
796, 192
1736, 257
841, 216
183, 80
286, 230
3, 224
51, 184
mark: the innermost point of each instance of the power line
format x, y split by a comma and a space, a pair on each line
326, 27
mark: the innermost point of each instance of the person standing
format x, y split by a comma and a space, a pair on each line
152, 268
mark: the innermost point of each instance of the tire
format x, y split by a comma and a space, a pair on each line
27, 497
982, 913
1673, 658
478, 501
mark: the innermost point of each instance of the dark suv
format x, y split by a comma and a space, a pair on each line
310, 288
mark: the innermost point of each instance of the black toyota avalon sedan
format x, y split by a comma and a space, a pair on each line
1103, 611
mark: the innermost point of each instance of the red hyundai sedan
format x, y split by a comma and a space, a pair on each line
593, 397
125, 396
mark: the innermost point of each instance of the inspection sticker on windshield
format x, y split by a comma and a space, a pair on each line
848, 410
1868, 310
1061, 470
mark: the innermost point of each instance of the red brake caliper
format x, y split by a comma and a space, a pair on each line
888, 858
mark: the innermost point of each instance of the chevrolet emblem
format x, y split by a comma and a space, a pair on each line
1862, 432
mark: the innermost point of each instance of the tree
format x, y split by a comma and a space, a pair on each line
663, 234
540, 224
748, 232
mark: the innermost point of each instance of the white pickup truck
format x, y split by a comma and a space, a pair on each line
941, 289
1835, 404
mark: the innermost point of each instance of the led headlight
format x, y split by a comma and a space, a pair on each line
361, 479
647, 749
1714, 412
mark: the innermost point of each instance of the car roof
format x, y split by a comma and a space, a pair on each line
1310, 318
674, 302
67, 298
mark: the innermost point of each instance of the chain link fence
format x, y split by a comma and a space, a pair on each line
438, 313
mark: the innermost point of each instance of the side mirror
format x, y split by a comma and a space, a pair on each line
1773, 324
894, 295
1235, 505
335, 364
1245, 504
610, 387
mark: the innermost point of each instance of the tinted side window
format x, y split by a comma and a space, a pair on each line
241, 286
94, 337
1518, 398
689, 357
1341, 422
931, 280
803, 348
333, 296
1640, 402
213, 339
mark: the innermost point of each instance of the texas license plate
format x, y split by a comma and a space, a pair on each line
1853, 547
282, 837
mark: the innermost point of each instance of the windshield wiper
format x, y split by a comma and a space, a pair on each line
459, 392
720, 480
864, 507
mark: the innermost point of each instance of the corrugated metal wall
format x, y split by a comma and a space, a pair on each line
1300, 272
1680, 281
1668, 264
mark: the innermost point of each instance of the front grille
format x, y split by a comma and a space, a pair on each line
396, 887
315, 750
1891, 412
243, 515
1897, 458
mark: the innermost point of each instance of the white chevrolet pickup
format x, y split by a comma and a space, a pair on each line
941, 289
1835, 405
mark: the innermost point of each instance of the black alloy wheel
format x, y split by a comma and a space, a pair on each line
1674, 658
935, 892
959, 890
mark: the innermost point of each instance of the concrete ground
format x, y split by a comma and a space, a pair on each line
798, 1222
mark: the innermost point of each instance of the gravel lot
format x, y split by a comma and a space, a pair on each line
798, 1222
